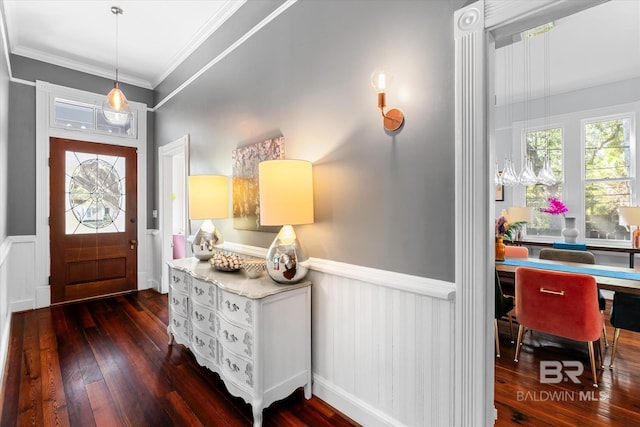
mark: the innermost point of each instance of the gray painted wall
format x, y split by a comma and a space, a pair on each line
21, 219
383, 201
4, 141
21, 170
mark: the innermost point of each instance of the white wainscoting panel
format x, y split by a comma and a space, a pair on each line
382, 356
154, 259
21, 273
5, 314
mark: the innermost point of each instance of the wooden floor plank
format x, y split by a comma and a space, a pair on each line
78, 367
30, 404
13, 374
54, 404
104, 410
180, 412
522, 399
107, 362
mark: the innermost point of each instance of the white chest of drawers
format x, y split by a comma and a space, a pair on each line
255, 333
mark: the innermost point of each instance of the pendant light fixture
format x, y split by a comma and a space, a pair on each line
115, 107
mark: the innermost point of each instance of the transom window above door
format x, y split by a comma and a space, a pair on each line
74, 115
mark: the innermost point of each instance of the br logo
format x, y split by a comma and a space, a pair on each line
554, 372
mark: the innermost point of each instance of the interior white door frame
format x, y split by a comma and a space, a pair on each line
166, 153
477, 29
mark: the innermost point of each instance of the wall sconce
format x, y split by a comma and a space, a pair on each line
393, 119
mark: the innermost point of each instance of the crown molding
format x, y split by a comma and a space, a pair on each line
79, 66
211, 26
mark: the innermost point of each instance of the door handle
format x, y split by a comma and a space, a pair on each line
133, 243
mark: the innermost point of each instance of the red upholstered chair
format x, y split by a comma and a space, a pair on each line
562, 304
516, 252
583, 257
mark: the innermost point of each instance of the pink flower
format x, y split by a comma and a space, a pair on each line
556, 207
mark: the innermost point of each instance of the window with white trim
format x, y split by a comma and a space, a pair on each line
608, 175
74, 115
541, 143
593, 157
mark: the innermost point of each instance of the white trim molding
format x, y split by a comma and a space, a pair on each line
472, 252
166, 174
246, 36
475, 42
45, 93
389, 279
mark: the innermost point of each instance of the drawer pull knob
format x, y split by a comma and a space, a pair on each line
230, 337
199, 342
233, 366
231, 307
198, 291
199, 316
176, 279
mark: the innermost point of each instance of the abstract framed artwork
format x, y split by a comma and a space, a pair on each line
246, 195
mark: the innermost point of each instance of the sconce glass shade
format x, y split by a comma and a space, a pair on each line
381, 80
286, 198
208, 199
630, 215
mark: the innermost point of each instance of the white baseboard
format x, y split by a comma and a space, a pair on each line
21, 305
43, 296
153, 284
349, 404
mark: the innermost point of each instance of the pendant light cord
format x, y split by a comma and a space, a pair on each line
116, 11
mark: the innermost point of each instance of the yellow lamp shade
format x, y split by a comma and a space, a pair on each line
286, 192
629, 215
208, 196
520, 214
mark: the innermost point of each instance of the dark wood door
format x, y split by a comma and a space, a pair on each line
93, 206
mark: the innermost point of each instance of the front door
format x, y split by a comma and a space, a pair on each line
93, 205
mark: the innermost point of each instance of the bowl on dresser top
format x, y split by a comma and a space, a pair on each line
254, 268
224, 261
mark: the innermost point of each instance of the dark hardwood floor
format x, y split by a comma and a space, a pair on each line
521, 399
106, 362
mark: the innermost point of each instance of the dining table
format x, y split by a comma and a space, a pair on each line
612, 278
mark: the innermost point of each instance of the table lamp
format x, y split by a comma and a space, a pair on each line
208, 199
520, 214
286, 199
630, 215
